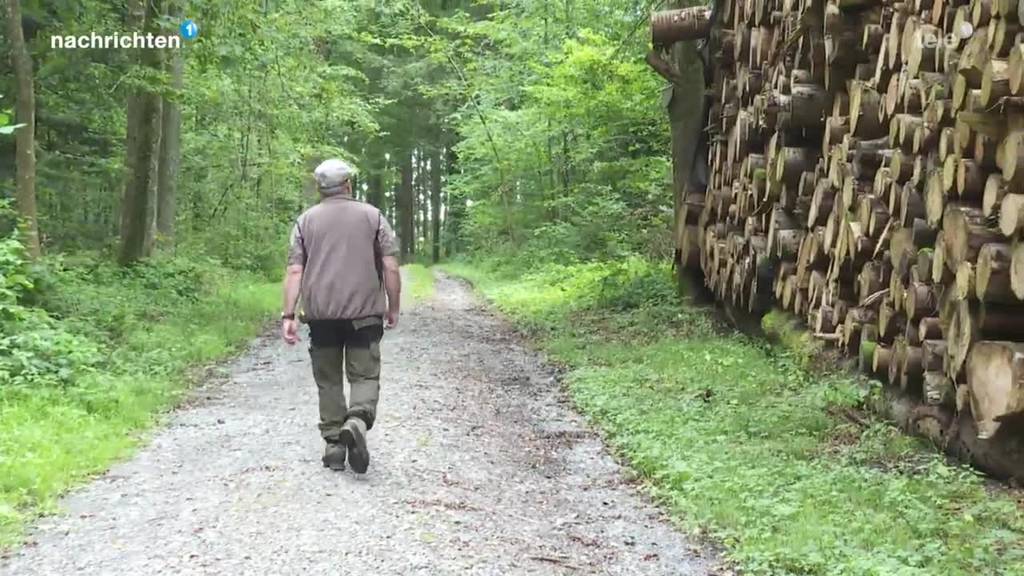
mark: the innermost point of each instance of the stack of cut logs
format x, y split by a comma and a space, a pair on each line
866, 172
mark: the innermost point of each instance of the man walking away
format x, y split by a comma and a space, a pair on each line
341, 261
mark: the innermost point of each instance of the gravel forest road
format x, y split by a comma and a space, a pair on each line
479, 466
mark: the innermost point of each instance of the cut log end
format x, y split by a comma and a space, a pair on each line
995, 375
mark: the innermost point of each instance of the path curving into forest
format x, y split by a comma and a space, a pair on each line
480, 466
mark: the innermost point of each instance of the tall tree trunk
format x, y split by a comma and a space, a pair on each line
138, 206
435, 204
392, 203
404, 204
170, 144
25, 137
414, 205
566, 164
375, 191
422, 193
456, 206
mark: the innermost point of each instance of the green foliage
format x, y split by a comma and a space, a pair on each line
108, 348
35, 350
258, 247
266, 95
792, 336
419, 283
571, 161
740, 442
636, 284
6, 128
560, 145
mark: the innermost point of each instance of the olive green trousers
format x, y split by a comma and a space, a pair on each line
340, 348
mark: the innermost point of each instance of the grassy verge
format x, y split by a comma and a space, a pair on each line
125, 343
741, 443
419, 281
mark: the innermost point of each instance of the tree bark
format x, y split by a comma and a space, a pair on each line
420, 195
375, 185
435, 204
670, 26
405, 208
25, 137
170, 144
455, 206
138, 207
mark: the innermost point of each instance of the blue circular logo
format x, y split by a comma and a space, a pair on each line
189, 30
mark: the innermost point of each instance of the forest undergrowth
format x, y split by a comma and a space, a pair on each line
91, 353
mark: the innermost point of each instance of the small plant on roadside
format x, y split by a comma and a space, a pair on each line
6, 128
636, 284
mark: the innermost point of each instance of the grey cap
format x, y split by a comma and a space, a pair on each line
331, 175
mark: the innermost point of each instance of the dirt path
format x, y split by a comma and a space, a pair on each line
479, 467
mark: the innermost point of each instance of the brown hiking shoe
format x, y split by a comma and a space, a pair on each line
334, 456
353, 436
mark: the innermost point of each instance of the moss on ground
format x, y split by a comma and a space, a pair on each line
793, 336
